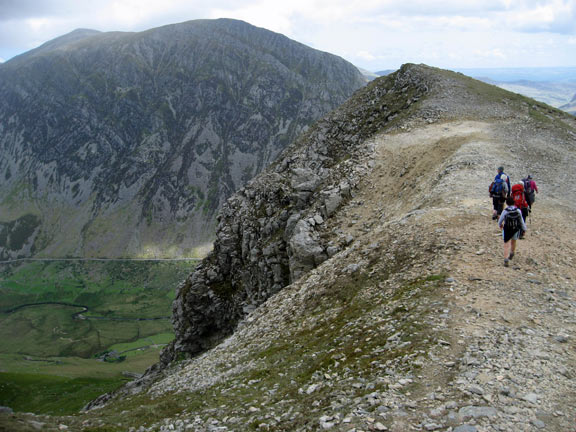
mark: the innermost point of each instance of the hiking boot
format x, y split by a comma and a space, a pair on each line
494, 217
511, 255
506, 262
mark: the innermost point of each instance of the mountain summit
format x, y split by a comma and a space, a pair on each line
125, 144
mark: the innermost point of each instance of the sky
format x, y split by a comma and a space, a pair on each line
372, 34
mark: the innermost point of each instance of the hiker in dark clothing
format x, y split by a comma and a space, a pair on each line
499, 191
511, 223
530, 190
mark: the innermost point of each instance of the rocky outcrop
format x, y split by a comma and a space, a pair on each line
270, 231
18, 237
127, 143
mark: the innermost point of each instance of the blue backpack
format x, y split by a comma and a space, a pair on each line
497, 187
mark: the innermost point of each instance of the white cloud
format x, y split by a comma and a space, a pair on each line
2, 60
366, 55
491, 53
558, 16
372, 33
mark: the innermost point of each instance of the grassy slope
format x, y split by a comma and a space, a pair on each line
46, 345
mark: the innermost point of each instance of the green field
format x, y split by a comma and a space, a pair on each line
120, 307
50, 394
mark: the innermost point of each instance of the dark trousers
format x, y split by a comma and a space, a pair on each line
498, 203
525, 212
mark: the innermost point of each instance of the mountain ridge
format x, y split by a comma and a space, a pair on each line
397, 312
133, 140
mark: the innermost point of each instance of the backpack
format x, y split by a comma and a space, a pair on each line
497, 187
519, 197
512, 220
527, 186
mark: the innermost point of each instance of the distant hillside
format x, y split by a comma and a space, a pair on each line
126, 144
555, 94
549, 85
570, 107
384, 72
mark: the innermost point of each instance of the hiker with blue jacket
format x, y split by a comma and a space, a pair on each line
512, 224
499, 190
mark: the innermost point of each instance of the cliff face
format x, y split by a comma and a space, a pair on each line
270, 232
127, 143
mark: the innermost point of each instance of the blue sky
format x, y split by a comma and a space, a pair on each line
373, 34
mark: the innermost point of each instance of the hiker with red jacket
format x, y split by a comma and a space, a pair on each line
520, 202
499, 190
512, 224
530, 190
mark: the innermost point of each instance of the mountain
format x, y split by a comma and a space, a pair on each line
384, 72
555, 94
369, 76
570, 107
126, 144
551, 85
358, 282
530, 74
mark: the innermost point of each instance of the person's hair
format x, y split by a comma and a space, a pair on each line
510, 201
500, 168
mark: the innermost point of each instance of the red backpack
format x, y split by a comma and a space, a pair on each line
519, 197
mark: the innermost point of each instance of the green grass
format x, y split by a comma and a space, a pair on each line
111, 291
341, 332
45, 341
46, 394
158, 339
76, 367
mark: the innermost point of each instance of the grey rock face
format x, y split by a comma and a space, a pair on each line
128, 143
477, 411
17, 238
466, 428
6, 410
269, 233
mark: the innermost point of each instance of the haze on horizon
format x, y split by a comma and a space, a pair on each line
372, 34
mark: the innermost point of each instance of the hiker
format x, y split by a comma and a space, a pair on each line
519, 197
511, 223
501, 174
499, 191
530, 190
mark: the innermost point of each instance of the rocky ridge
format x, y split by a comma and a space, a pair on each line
126, 144
270, 232
411, 322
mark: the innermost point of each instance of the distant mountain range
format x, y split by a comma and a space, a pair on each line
126, 144
571, 106
554, 86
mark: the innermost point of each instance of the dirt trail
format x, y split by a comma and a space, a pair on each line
512, 330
